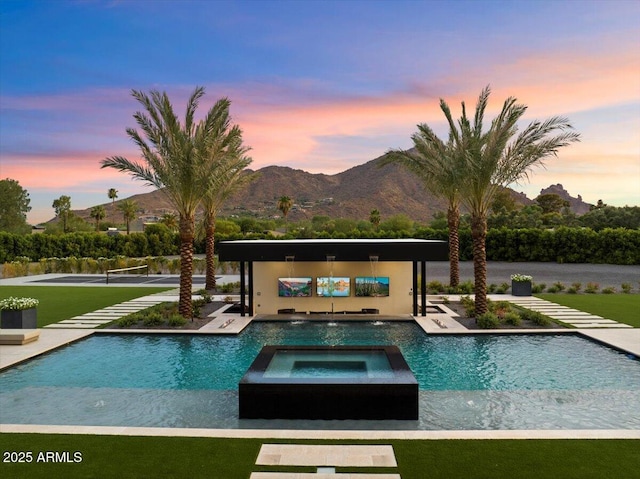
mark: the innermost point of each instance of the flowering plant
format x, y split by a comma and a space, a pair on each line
521, 278
17, 304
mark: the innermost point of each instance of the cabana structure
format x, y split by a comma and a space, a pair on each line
326, 275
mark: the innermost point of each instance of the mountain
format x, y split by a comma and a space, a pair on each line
578, 206
353, 193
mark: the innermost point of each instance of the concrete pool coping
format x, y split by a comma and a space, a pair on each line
324, 434
626, 340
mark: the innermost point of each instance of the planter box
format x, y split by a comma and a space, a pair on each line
521, 288
21, 319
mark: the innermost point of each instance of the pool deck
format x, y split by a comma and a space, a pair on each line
624, 339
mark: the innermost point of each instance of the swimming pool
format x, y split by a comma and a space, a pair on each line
466, 382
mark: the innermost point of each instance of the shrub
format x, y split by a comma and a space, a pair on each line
626, 288
491, 288
466, 288
445, 299
176, 320
205, 295
608, 290
153, 318
502, 288
227, 288
592, 288
538, 288
535, 317
469, 306
197, 305
512, 318
435, 287
559, 286
488, 321
576, 286
553, 289
127, 321
572, 290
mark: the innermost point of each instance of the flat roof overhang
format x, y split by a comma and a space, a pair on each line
341, 250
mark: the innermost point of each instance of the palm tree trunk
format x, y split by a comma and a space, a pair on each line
479, 235
210, 229
453, 221
187, 233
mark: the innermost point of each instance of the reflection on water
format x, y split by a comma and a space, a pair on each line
439, 410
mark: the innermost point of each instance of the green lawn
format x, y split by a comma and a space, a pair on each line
172, 457
64, 302
619, 307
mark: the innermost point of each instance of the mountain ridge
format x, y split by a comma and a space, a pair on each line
353, 193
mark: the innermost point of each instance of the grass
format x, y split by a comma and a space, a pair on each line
64, 302
174, 457
619, 307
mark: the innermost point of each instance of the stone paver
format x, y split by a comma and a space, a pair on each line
326, 455
573, 317
106, 315
315, 475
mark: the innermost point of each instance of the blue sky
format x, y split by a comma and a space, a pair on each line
316, 85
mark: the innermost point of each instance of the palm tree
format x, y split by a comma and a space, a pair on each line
496, 158
175, 160
170, 221
284, 204
98, 213
438, 166
374, 218
112, 194
227, 161
129, 208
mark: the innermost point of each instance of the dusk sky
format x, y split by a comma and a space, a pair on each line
320, 86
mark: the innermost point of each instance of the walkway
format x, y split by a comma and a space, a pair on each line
564, 314
326, 458
106, 315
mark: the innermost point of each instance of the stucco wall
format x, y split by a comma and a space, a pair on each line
266, 274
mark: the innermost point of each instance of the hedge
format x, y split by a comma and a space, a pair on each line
562, 245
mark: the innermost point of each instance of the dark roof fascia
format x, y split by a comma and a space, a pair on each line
341, 250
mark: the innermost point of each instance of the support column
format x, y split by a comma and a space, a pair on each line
423, 286
414, 288
250, 288
242, 289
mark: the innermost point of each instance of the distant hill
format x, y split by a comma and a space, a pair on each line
578, 206
353, 193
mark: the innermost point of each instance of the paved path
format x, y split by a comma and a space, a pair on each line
573, 317
326, 458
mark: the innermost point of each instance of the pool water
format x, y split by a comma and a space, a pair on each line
329, 365
466, 382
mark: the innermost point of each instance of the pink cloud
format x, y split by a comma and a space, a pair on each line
57, 173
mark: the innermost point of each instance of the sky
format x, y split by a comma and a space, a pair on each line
320, 86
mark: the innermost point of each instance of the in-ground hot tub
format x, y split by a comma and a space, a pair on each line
329, 382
